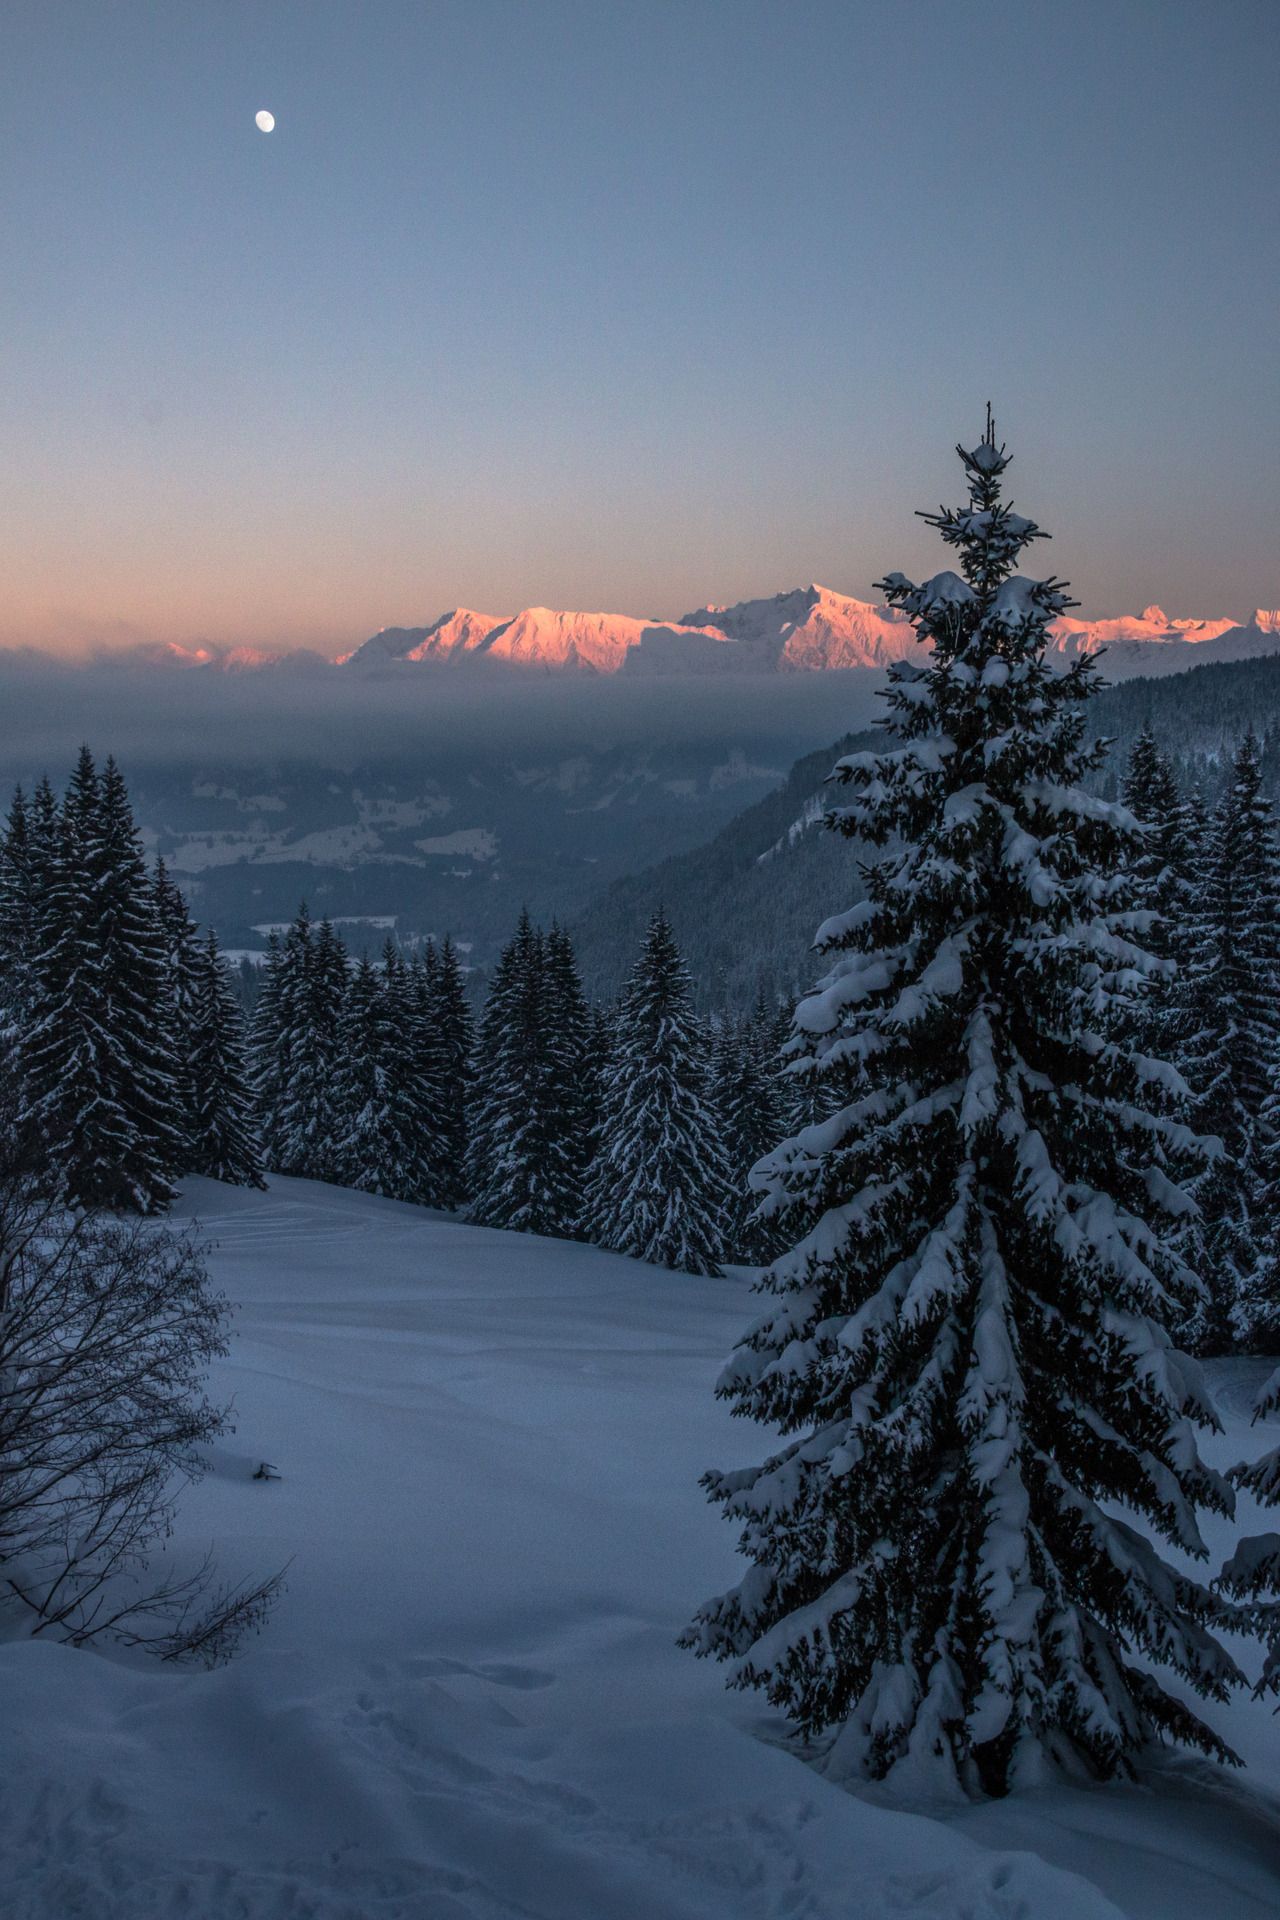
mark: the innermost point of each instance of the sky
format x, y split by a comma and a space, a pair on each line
624, 307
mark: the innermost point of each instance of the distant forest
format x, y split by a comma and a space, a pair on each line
745, 905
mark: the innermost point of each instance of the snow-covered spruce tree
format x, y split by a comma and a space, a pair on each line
752, 1102
375, 1149
412, 1094
180, 946
968, 1352
268, 1063
423, 1045
659, 1184
509, 1163
95, 1061
1164, 876
312, 990
455, 1038
1228, 1054
221, 1131
570, 1114
20, 892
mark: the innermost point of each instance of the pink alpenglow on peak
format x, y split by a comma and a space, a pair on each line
594, 642
811, 629
1153, 625
805, 630
458, 632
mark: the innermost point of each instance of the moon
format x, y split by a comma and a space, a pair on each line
264, 121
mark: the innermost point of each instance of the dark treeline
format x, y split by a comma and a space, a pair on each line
123, 1034
633, 1126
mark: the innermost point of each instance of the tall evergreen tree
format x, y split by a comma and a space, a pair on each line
1164, 876
1234, 1039
183, 973
968, 1354
512, 1178
95, 1063
570, 1117
132, 942
313, 987
426, 1054
659, 1185
268, 1062
20, 892
375, 1148
456, 1039
753, 1104
221, 1130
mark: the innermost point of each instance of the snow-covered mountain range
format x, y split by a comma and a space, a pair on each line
807, 630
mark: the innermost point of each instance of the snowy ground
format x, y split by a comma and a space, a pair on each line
469, 1705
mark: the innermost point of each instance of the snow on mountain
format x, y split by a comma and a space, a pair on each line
1074, 637
600, 642
459, 632
806, 630
811, 629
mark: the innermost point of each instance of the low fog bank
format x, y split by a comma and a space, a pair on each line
150, 717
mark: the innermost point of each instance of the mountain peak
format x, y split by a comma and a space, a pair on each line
809, 629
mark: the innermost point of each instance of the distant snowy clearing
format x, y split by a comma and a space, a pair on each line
468, 1705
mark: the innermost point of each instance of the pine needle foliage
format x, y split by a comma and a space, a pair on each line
1231, 1049
985, 1424
659, 1185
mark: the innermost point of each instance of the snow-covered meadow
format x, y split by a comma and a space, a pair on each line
469, 1704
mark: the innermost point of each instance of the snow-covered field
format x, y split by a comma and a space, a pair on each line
468, 1705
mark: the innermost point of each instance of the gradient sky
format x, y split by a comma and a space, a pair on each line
623, 306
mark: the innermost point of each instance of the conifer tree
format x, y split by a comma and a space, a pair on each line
752, 1104
374, 1149
570, 1117
221, 1131
455, 1039
511, 1176
313, 986
1234, 1039
94, 1062
268, 1063
968, 1353
183, 970
134, 962
413, 1080
20, 893
659, 1185
1164, 876
425, 1052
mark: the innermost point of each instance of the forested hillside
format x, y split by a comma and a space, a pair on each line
746, 904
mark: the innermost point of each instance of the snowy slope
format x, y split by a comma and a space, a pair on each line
453, 635
469, 1705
